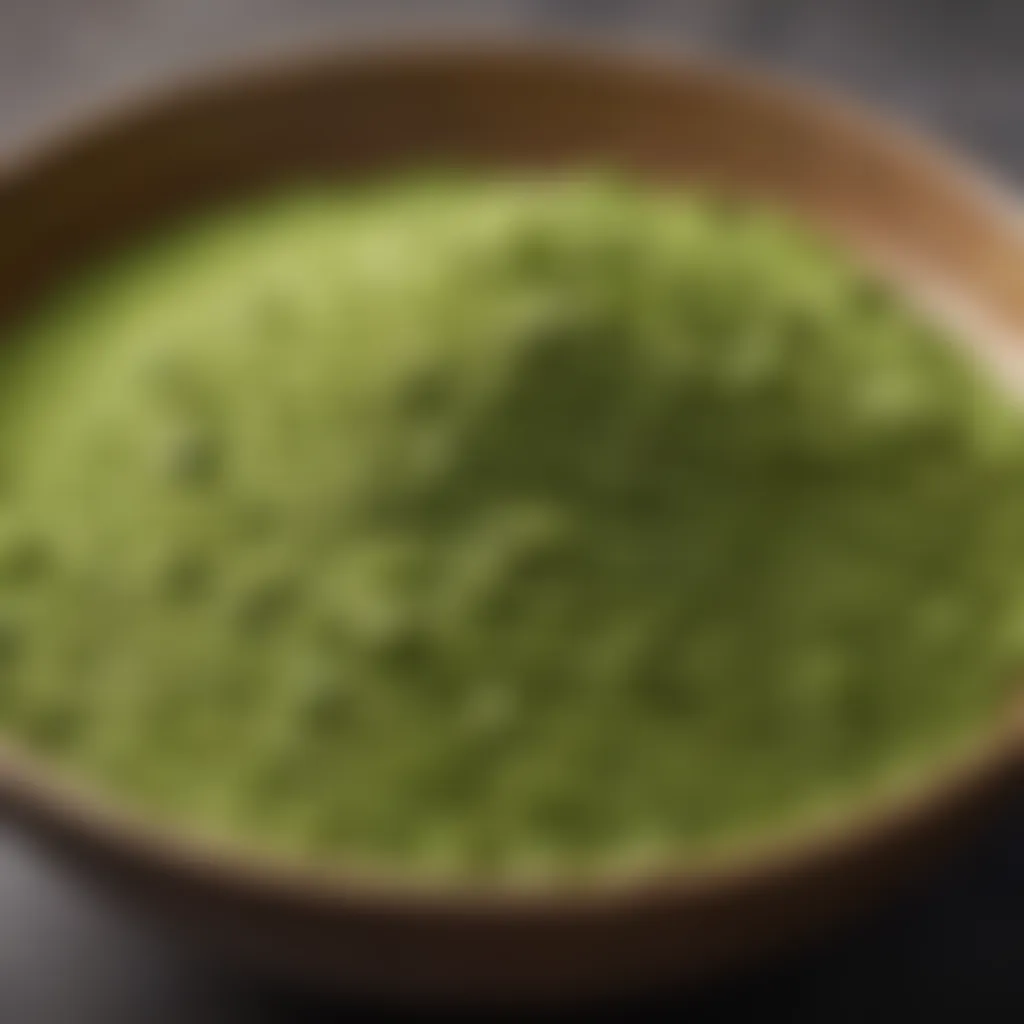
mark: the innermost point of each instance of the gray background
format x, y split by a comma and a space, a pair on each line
952, 950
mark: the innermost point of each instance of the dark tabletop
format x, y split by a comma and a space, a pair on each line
951, 949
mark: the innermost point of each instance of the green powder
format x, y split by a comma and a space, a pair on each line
485, 527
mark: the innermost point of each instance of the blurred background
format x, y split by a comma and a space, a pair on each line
953, 949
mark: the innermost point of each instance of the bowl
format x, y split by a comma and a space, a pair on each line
951, 237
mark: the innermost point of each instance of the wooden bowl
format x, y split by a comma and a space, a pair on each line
99, 184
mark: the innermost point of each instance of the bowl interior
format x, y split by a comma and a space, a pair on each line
104, 182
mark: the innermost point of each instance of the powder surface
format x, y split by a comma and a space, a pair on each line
485, 527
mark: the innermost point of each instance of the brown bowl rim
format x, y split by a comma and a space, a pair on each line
45, 795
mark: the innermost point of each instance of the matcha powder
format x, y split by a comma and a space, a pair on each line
480, 527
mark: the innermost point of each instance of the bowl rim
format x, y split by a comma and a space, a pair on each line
46, 795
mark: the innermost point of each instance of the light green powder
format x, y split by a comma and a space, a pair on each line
475, 526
